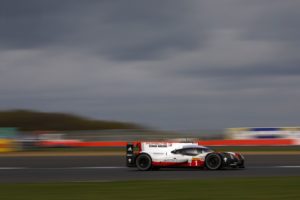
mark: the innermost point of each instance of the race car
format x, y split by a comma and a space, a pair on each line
155, 155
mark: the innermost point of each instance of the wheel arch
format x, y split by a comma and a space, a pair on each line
145, 153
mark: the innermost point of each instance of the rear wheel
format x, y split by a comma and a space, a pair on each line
213, 161
143, 162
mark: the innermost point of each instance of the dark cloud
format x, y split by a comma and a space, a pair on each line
279, 22
131, 30
170, 64
28, 24
257, 71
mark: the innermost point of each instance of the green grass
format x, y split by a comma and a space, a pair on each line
238, 188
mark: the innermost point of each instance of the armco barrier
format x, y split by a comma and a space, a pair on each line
75, 143
254, 142
59, 143
103, 144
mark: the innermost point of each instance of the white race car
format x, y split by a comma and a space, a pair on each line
154, 155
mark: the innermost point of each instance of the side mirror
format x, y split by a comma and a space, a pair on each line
173, 152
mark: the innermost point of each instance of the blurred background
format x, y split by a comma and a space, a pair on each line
189, 69
80, 79
24, 130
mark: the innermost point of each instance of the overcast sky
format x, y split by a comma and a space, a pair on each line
170, 64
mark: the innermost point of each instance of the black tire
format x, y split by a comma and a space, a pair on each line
242, 165
213, 161
143, 162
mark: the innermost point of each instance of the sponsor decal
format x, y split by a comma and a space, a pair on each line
158, 145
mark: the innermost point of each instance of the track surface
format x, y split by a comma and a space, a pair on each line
111, 168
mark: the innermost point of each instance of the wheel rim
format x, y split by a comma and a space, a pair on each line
144, 162
213, 162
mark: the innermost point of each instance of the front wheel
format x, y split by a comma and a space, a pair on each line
143, 162
242, 165
213, 161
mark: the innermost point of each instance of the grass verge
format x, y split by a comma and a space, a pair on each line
237, 188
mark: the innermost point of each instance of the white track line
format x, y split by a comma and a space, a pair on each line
96, 167
120, 167
287, 166
11, 168
59, 168
272, 167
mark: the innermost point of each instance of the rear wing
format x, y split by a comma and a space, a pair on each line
130, 156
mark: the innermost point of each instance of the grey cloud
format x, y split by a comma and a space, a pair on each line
28, 24
262, 70
169, 64
131, 30
279, 22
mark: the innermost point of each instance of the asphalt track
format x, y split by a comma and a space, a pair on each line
112, 168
